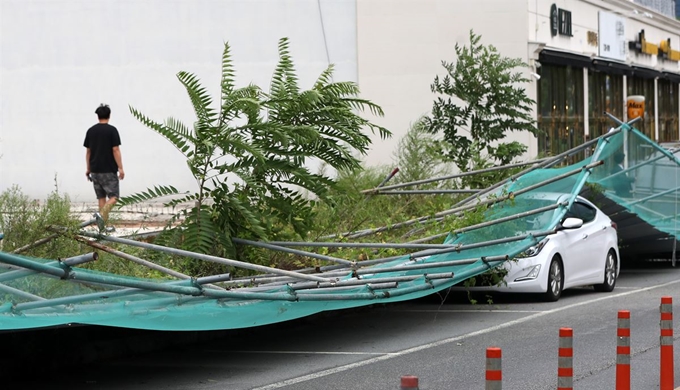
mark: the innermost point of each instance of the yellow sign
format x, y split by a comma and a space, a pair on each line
642, 46
667, 53
636, 106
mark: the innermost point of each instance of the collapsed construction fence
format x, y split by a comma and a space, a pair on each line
516, 215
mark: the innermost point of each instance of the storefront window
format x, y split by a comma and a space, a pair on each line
644, 87
560, 109
668, 111
605, 94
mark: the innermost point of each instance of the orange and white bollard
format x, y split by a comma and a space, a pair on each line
623, 351
666, 358
409, 382
565, 363
494, 372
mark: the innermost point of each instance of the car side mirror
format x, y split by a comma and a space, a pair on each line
572, 223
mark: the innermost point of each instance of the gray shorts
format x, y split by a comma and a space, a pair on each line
105, 185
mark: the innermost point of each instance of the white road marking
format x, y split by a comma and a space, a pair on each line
302, 352
407, 351
470, 311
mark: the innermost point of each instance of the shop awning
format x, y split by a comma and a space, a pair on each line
556, 57
674, 77
646, 73
605, 65
612, 67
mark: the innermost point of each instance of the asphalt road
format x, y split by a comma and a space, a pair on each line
442, 343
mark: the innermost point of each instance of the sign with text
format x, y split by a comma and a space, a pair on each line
612, 36
560, 21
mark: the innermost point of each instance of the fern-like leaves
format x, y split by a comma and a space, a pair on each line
148, 195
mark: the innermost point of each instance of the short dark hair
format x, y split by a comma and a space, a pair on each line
103, 111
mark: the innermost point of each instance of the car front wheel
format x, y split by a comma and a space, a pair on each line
610, 265
555, 280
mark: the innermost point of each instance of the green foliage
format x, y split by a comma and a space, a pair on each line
250, 155
480, 100
418, 157
24, 221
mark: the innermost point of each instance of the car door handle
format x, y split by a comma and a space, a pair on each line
585, 236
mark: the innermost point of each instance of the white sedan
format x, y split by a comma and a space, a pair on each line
582, 252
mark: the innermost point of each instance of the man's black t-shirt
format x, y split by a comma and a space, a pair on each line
101, 138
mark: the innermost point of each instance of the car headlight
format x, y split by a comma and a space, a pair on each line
532, 274
536, 249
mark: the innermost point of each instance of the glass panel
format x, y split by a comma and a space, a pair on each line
605, 94
668, 111
560, 117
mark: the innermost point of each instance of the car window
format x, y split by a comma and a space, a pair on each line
582, 211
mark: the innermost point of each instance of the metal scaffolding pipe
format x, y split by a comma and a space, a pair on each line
104, 295
457, 210
71, 261
547, 163
561, 156
412, 245
427, 285
66, 273
20, 293
333, 271
463, 247
417, 254
134, 259
360, 282
282, 244
49, 238
371, 285
426, 192
342, 271
277, 247
453, 176
655, 196
634, 167
200, 256
489, 223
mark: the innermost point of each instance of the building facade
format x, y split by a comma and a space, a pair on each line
60, 59
585, 58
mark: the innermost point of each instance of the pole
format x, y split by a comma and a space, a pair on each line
277, 247
71, 261
454, 176
565, 364
460, 209
666, 359
494, 371
426, 192
200, 256
623, 351
49, 238
134, 259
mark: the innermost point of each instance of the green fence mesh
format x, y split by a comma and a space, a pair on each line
626, 167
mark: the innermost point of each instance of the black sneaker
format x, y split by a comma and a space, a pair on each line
100, 222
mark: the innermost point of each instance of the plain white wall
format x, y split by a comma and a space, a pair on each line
59, 59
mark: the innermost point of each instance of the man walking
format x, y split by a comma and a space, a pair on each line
104, 163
